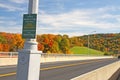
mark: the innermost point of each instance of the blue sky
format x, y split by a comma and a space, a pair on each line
72, 17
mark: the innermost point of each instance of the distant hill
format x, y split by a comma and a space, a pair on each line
85, 51
107, 43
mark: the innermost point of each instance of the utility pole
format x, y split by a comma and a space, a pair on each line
28, 67
89, 43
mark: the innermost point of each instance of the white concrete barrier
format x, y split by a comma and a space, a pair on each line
8, 61
70, 58
103, 73
52, 58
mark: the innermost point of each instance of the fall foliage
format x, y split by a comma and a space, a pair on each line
10, 42
49, 43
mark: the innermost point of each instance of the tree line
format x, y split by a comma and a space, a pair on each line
49, 43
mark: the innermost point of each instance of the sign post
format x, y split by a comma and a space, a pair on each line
28, 67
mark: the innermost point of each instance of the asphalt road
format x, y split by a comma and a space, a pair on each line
59, 70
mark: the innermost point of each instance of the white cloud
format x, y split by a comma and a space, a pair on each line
77, 20
9, 25
11, 29
19, 1
109, 8
10, 22
1, 22
10, 7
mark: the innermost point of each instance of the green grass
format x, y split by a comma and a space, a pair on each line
85, 51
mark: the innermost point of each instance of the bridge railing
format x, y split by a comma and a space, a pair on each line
8, 54
11, 58
15, 54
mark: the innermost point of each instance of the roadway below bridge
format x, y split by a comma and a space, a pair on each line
65, 70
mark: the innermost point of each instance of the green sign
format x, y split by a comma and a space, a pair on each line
29, 26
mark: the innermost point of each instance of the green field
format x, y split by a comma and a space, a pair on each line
85, 51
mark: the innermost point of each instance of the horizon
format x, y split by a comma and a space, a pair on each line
74, 18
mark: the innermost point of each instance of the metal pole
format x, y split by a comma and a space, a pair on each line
89, 42
88, 45
28, 67
33, 6
31, 44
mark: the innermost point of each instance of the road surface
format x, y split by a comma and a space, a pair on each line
59, 70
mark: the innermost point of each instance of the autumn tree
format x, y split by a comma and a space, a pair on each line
65, 45
10, 42
17, 42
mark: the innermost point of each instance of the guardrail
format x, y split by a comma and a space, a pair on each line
15, 54
8, 54
10, 58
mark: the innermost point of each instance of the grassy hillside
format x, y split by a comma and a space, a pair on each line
85, 50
